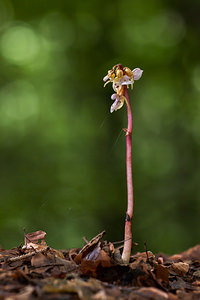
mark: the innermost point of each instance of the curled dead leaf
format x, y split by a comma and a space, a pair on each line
31, 240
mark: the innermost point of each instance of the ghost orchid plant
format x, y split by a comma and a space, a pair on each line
121, 78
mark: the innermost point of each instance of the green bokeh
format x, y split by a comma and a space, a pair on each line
62, 154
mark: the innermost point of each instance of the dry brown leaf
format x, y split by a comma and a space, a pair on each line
162, 273
180, 268
138, 257
31, 240
93, 255
197, 273
89, 247
90, 266
41, 263
34, 237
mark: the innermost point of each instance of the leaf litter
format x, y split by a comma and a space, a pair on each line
96, 271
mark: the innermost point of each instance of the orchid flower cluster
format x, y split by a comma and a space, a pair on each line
121, 77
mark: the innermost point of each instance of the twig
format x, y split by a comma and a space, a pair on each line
16, 258
85, 239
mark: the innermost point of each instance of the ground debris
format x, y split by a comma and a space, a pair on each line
96, 271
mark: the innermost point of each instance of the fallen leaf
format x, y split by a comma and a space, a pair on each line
138, 257
197, 273
91, 245
41, 263
31, 240
93, 255
180, 268
162, 273
90, 266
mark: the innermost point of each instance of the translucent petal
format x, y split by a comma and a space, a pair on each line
115, 96
137, 73
117, 105
106, 78
125, 80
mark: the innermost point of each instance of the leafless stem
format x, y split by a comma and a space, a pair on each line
129, 213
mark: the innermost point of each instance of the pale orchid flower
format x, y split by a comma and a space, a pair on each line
127, 79
118, 102
120, 77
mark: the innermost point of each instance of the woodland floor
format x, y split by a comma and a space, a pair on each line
36, 271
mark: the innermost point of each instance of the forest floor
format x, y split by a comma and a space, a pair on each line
96, 272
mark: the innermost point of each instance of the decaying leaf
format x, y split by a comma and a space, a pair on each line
29, 273
89, 267
197, 274
142, 256
31, 240
162, 273
180, 268
89, 247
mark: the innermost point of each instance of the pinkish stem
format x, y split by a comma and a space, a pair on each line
129, 213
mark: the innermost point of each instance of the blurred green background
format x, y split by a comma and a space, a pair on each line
62, 154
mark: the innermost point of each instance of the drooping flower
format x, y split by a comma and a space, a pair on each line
120, 77
118, 102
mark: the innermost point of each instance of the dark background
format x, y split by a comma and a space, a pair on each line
62, 154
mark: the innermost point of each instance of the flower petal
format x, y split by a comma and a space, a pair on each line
126, 80
106, 78
116, 85
115, 96
117, 104
137, 73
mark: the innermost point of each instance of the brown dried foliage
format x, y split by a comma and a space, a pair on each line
35, 271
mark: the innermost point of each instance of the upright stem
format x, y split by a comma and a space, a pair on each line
129, 213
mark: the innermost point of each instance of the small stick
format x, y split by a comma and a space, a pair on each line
85, 240
16, 258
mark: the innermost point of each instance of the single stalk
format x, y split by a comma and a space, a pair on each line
129, 213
